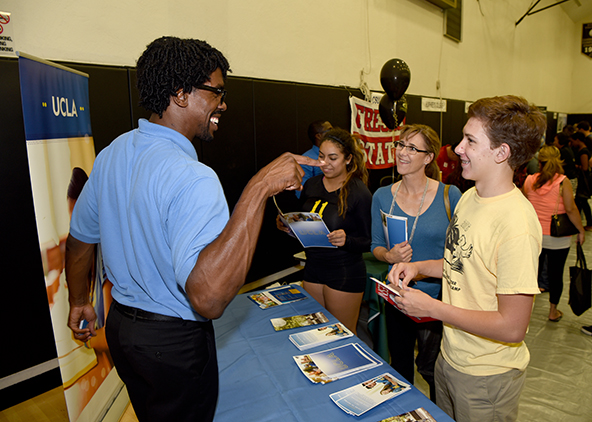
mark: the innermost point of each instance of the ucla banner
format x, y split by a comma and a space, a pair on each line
376, 138
61, 153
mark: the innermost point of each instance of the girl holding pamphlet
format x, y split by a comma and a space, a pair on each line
421, 199
336, 277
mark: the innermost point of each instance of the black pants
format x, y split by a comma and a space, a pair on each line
584, 206
403, 333
555, 265
169, 367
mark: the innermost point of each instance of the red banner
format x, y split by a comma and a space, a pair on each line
377, 139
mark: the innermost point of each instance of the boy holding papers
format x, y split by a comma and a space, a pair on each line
489, 270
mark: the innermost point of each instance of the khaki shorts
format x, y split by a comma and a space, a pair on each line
469, 398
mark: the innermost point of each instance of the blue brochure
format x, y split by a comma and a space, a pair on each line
395, 228
278, 296
339, 362
308, 227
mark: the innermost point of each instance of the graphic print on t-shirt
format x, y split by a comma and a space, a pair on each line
320, 211
456, 244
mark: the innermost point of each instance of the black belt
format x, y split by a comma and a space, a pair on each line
135, 313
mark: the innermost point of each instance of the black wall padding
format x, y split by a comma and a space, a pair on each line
26, 331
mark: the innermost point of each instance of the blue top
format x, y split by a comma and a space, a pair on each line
310, 171
430, 232
153, 207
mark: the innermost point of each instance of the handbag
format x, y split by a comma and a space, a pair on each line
580, 284
561, 225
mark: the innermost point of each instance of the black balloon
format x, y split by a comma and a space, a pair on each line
394, 78
392, 113
386, 109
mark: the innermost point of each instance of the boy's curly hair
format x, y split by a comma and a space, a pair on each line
512, 120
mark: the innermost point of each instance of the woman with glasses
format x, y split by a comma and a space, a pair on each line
336, 277
420, 197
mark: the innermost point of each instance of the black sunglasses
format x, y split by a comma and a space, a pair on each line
218, 91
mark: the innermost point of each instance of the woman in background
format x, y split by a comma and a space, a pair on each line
336, 277
420, 197
584, 190
550, 192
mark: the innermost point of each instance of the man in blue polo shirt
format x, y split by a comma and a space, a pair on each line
316, 131
174, 256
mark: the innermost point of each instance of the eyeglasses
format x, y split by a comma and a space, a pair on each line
218, 91
410, 149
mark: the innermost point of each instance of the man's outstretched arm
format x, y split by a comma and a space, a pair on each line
222, 266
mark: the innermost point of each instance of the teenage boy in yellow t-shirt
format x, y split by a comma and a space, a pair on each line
489, 270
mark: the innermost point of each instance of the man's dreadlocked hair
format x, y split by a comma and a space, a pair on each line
169, 64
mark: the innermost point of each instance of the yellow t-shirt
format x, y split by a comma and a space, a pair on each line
492, 247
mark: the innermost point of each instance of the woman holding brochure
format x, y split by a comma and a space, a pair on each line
420, 198
336, 277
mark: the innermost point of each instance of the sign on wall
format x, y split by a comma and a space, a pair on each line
433, 104
6, 37
376, 139
587, 39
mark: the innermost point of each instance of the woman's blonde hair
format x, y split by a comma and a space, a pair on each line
356, 168
550, 164
432, 142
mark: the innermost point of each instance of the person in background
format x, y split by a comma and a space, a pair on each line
172, 253
489, 270
316, 131
421, 198
450, 169
455, 178
561, 141
568, 130
447, 161
336, 277
584, 190
550, 193
584, 127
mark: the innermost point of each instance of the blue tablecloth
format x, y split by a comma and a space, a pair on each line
259, 380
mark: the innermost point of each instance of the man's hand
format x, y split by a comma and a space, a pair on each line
79, 314
285, 173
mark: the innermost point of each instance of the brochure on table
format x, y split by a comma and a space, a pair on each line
360, 398
320, 336
278, 296
297, 321
395, 229
333, 364
417, 415
308, 227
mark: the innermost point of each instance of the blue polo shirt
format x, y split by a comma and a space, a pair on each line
310, 171
153, 207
